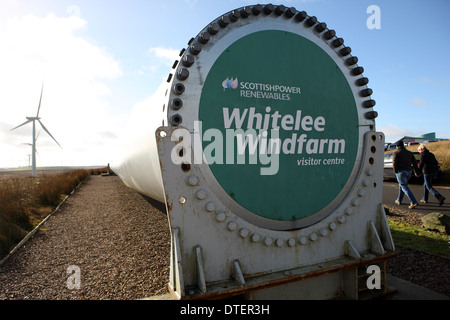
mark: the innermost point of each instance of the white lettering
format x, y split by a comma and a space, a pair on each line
319, 124
229, 120
240, 309
261, 145
214, 150
374, 281
336, 143
307, 121
251, 117
374, 21
194, 310
287, 121
74, 280
256, 120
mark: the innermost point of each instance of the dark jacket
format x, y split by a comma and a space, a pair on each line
428, 162
403, 160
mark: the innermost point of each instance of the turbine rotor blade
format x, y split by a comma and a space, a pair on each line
28, 121
29, 144
39, 107
43, 127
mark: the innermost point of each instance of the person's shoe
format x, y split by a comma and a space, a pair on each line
441, 201
413, 205
423, 201
397, 202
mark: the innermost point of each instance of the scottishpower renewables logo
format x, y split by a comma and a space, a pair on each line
230, 83
256, 90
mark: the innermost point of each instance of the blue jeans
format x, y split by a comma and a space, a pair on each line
403, 178
427, 186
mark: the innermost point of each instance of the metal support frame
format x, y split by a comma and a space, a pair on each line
216, 254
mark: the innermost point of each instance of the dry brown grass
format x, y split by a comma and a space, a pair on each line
14, 215
25, 201
442, 152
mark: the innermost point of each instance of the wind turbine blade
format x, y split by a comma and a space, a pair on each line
43, 127
29, 144
39, 107
28, 121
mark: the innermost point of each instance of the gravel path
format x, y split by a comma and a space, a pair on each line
119, 242
423, 269
426, 270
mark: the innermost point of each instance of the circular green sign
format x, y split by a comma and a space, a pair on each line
279, 125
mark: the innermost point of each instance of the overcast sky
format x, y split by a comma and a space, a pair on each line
100, 58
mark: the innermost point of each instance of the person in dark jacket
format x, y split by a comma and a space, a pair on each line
429, 167
403, 162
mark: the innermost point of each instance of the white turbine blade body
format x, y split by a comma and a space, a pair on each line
43, 127
28, 121
40, 100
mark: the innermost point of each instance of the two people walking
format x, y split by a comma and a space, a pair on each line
404, 164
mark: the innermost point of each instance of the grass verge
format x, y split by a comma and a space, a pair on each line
26, 201
414, 236
420, 239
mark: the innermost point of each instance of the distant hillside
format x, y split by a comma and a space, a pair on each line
440, 149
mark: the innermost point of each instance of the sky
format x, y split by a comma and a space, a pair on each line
98, 60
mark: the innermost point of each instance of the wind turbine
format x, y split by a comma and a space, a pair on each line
33, 144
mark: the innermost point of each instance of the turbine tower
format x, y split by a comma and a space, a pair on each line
33, 143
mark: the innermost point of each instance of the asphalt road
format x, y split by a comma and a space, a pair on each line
390, 193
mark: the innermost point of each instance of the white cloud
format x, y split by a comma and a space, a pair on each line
436, 82
159, 57
191, 3
393, 133
9, 3
75, 72
74, 10
168, 55
419, 102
